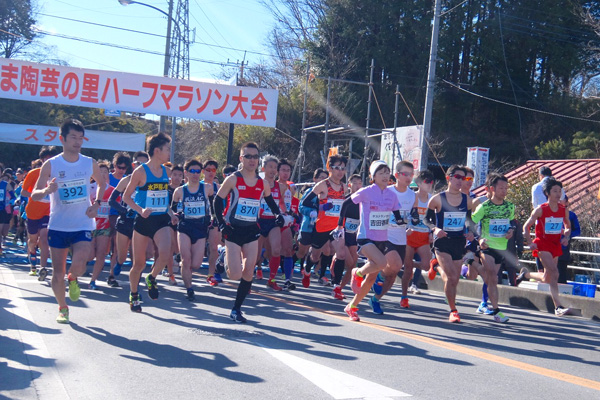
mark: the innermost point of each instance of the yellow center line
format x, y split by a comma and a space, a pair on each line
576, 380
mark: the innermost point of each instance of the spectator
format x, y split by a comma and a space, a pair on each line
537, 194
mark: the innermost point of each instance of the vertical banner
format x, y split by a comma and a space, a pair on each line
408, 145
478, 160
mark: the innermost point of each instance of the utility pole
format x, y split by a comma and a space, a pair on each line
366, 149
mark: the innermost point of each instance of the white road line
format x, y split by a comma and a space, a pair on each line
338, 385
49, 385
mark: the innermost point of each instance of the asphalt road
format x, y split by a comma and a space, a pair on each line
297, 345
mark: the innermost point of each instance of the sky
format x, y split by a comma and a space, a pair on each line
223, 30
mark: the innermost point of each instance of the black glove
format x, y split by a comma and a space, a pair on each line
279, 221
414, 215
226, 229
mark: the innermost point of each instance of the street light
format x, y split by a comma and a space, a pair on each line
167, 63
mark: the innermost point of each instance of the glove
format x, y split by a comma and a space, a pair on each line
326, 206
226, 229
414, 215
313, 215
283, 220
338, 233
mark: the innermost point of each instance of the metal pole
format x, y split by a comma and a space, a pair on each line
230, 135
366, 149
167, 64
325, 147
430, 84
394, 144
300, 159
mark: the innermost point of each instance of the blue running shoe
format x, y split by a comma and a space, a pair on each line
236, 315
375, 305
378, 285
484, 309
93, 285
218, 278
117, 269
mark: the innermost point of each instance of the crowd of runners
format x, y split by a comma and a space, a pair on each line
146, 209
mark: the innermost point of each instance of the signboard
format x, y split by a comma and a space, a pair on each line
23, 80
408, 145
478, 160
49, 136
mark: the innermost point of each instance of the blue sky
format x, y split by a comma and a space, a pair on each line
237, 24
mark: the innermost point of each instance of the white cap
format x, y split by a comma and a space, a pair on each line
375, 165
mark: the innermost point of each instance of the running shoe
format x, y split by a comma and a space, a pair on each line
454, 317
259, 273
413, 289
432, 269
93, 285
172, 280
74, 290
165, 272
305, 279
33, 272
237, 316
352, 313
212, 281
500, 317
32, 259
117, 269
337, 293
273, 285
521, 277
218, 278
375, 305
190, 295
404, 302
42, 274
134, 303
152, 287
289, 286
378, 285
484, 309
323, 281
112, 282
356, 281
561, 311
63, 315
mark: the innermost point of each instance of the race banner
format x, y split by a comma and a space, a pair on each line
49, 136
478, 160
408, 145
23, 80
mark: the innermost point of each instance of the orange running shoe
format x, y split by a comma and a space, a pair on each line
454, 317
273, 285
404, 302
352, 313
212, 281
305, 279
432, 272
259, 273
356, 281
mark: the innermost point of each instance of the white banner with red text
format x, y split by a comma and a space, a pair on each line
49, 136
24, 80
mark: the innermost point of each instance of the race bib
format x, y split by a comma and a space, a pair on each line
421, 227
351, 225
194, 209
335, 210
73, 191
499, 227
247, 209
553, 226
379, 220
103, 210
157, 200
454, 221
394, 225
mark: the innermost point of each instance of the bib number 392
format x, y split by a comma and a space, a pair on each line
73, 191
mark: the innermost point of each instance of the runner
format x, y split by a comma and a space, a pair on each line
447, 216
5, 209
194, 219
66, 178
101, 235
124, 228
291, 203
122, 165
153, 216
244, 190
495, 215
396, 247
214, 235
549, 219
377, 201
175, 181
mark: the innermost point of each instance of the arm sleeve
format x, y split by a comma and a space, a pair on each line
112, 201
219, 207
345, 205
430, 219
399, 217
174, 207
272, 205
308, 201
471, 225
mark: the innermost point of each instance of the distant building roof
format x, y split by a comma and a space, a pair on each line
580, 177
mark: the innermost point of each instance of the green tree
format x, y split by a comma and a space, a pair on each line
585, 145
16, 24
555, 149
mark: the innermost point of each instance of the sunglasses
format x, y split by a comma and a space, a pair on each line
468, 178
338, 168
123, 167
194, 171
459, 177
210, 169
251, 156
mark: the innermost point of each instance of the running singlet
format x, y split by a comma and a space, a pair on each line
550, 226
422, 209
375, 208
308, 224
406, 201
195, 206
102, 221
71, 200
352, 218
265, 211
35, 209
452, 219
3, 194
327, 220
495, 222
244, 202
154, 194
112, 181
